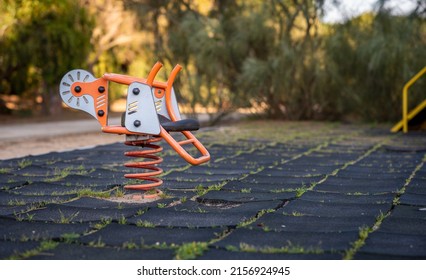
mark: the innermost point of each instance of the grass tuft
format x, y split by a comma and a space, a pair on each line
190, 251
24, 163
289, 249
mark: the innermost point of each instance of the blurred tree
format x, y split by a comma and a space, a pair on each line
15, 76
370, 58
115, 40
115, 37
282, 68
44, 40
173, 25
239, 53
216, 56
273, 54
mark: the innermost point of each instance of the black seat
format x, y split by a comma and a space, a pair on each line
169, 125
181, 125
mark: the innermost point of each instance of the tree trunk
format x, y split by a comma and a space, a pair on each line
52, 102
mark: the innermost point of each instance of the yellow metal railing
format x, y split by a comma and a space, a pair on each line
405, 98
397, 127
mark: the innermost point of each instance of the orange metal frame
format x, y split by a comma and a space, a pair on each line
98, 90
162, 87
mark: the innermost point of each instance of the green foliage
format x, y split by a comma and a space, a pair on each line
24, 163
44, 40
59, 174
45, 245
97, 244
103, 223
190, 251
143, 223
371, 57
91, 193
16, 202
66, 219
130, 245
122, 220
277, 55
70, 237
119, 192
290, 249
273, 55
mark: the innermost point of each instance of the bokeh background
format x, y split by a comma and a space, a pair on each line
281, 59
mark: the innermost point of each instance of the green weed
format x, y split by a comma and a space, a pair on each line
66, 219
254, 218
289, 249
161, 205
119, 192
122, 220
130, 245
21, 217
70, 237
103, 223
97, 244
59, 174
5, 170
295, 214
91, 193
16, 202
190, 251
24, 163
44, 246
147, 224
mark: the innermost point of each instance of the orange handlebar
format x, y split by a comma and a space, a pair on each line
127, 80
170, 82
122, 79
177, 146
150, 79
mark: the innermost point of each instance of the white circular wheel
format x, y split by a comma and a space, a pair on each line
84, 102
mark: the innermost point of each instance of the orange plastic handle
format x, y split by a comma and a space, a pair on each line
191, 139
169, 86
127, 80
177, 146
150, 79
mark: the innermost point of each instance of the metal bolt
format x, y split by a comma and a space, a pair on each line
137, 123
101, 113
101, 89
77, 89
159, 91
136, 91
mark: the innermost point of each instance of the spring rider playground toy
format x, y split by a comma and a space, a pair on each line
151, 115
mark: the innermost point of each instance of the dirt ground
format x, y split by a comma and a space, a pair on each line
14, 147
35, 146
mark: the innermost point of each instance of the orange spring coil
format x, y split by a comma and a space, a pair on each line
149, 164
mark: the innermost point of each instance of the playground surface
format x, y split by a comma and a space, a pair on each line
272, 190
